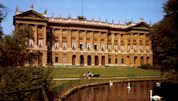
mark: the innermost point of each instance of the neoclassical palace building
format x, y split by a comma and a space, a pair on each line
82, 42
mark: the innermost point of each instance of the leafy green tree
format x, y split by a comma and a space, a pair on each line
165, 39
13, 48
20, 79
2, 15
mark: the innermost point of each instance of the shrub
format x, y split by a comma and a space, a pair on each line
24, 78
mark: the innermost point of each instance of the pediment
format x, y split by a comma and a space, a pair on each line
31, 14
141, 25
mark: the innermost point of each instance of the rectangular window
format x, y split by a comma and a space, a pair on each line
56, 59
109, 47
141, 48
102, 33
135, 48
115, 48
81, 46
64, 46
102, 47
73, 46
40, 43
56, 45
147, 48
122, 48
134, 41
88, 46
141, 41
128, 40
30, 42
128, 48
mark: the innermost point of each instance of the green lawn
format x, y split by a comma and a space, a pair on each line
104, 72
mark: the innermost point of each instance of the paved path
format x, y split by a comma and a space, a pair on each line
107, 78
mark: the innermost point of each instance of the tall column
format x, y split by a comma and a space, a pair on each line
60, 39
53, 33
112, 41
131, 42
138, 42
151, 59
125, 42
69, 39
99, 41
92, 59
35, 36
85, 59
139, 56
106, 41
44, 57
132, 60
92, 40
119, 41
119, 59
69, 58
44, 34
99, 58
77, 40
150, 45
106, 59
84, 40
144, 41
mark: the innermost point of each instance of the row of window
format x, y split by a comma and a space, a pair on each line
39, 43
135, 48
89, 47
64, 31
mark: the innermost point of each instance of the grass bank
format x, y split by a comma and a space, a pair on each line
104, 72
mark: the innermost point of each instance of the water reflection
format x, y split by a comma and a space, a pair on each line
126, 91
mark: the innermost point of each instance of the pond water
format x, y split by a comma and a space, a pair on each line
126, 91
138, 91
167, 90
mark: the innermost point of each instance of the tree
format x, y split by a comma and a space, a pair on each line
165, 39
19, 83
13, 48
2, 15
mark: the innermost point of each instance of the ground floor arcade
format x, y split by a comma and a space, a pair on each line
99, 59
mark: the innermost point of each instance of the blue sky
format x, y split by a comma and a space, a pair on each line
118, 10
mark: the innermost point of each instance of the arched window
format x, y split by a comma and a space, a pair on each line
142, 60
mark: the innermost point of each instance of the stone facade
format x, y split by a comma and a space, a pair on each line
81, 42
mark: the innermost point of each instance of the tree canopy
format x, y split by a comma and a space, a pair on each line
2, 15
165, 38
13, 48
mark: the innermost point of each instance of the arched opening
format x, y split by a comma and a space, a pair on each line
148, 60
96, 60
88, 60
103, 60
128, 60
39, 57
73, 59
116, 61
81, 60
31, 58
135, 60
141, 60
